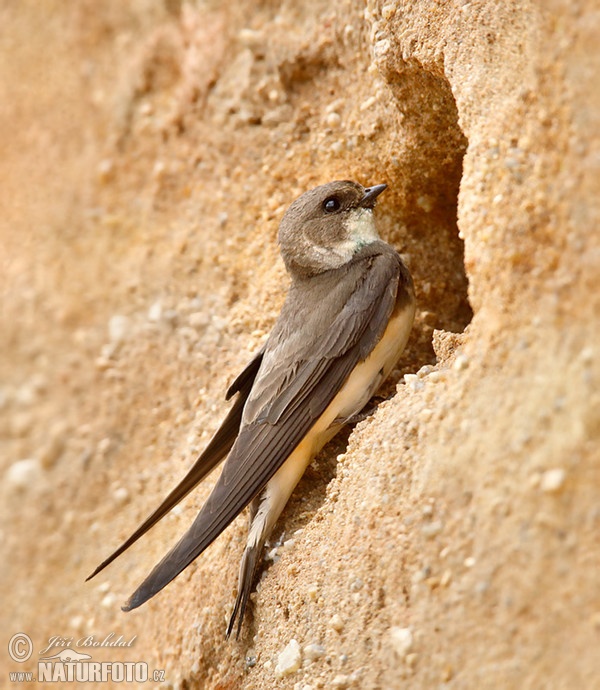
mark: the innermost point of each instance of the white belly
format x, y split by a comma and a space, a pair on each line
364, 380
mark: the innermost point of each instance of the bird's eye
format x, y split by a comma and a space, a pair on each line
331, 204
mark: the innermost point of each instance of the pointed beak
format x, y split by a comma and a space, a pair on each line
371, 194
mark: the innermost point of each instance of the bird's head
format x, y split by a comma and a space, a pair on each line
326, 226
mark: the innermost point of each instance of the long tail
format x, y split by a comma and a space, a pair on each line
248, 567
264, 513
216, 450
218, 447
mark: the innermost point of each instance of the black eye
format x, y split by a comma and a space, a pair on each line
331, 204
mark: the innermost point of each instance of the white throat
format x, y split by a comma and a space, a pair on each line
360, 231
360, 226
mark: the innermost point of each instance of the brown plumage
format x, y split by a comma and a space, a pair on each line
344, 323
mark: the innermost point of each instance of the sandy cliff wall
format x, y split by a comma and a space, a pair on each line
148, 153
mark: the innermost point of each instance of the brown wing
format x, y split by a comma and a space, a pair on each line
217, 449
264, 444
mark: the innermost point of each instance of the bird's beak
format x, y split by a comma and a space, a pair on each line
371, 194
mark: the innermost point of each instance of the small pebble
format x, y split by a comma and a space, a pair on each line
365, 105
340, 681
447, 673
411, 660
155, 312
273, 554
118, 328
102, 363
552, 480
381, 48
402, 641
52, 451
105, 170
103, 446
76, 623
108, 601
23, 473
25, 394
437, 376
289, 659
334, 105
251, 38
412, 381
120, 495
312, 590
314, 651
356, 584
388, 11
431, 529
445, 579
425, 371
460, 363
336, 623
419, 576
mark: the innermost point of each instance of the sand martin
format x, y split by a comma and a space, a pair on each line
344, 324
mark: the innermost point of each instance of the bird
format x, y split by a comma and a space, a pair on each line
343, 326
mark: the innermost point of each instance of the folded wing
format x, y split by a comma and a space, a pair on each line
289, 405
217, 449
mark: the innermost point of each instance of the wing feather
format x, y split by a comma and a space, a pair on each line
217, 449
264, 444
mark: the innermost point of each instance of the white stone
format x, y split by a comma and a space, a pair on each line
552, 480
402, 640
23, 473
118, 328
461, 362
289, 660
155, 312
314, 651
336, 623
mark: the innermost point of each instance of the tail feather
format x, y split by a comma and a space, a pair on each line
246, 580
218, 447
216, 450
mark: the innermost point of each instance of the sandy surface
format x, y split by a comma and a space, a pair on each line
451, 539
